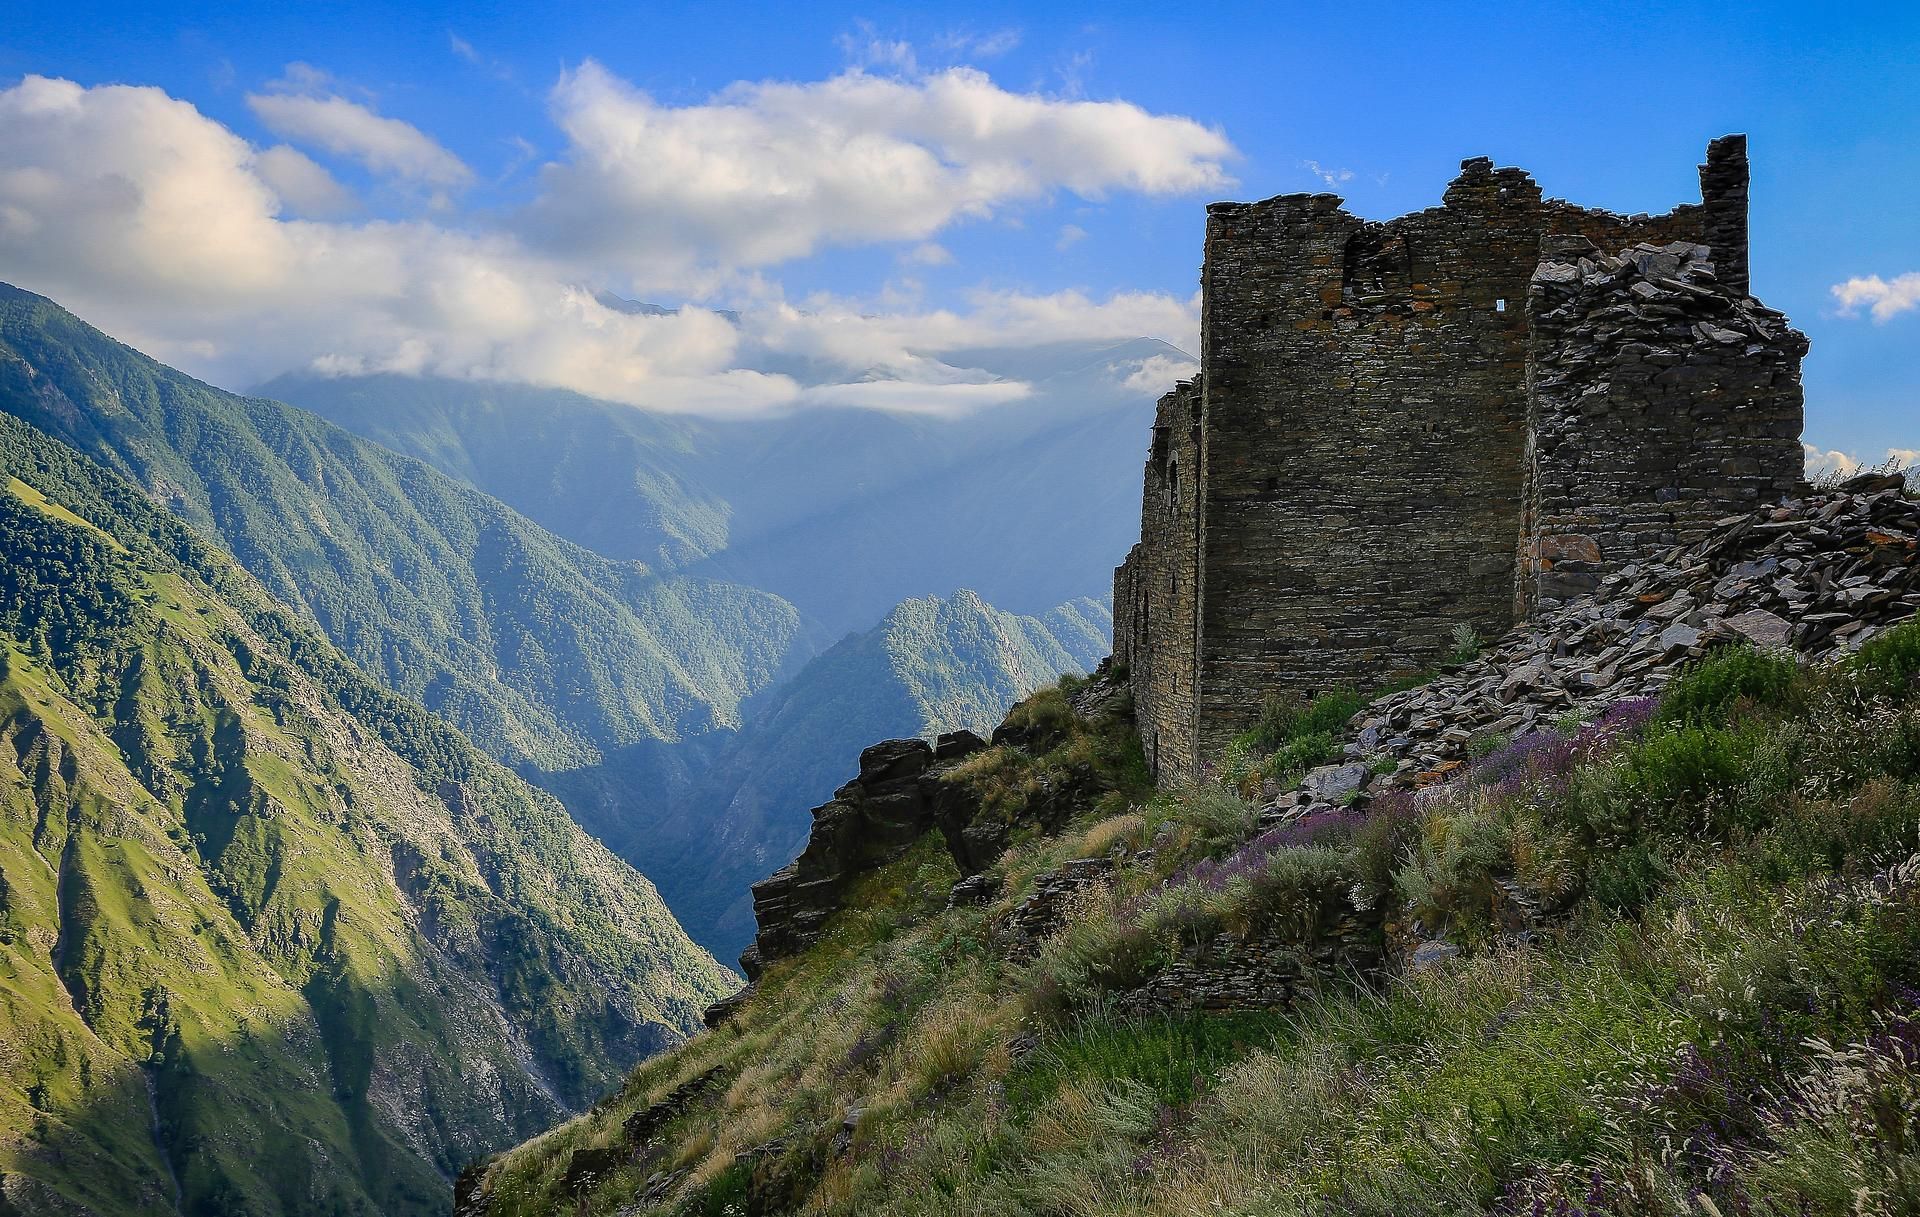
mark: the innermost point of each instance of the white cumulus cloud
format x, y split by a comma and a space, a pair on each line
767, 172
1885, 299
928, 253
1833, 463
175, 234
387, 146
1156, 374
841, 333
303, 185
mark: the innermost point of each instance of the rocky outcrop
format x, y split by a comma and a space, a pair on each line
1028, 924
587, 1166
902, 793
897, 798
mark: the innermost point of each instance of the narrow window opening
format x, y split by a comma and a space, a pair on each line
1500, 305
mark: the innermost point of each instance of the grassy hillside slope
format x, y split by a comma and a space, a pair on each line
1665, 961
539, 650
272, 940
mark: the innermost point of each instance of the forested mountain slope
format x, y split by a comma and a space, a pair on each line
539, 650
272, 939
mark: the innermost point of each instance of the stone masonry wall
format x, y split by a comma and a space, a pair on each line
1662, 400
1362, 442
1156, 591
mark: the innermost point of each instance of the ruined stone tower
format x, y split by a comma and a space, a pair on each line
1405, 426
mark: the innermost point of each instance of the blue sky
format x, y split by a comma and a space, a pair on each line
1607, 104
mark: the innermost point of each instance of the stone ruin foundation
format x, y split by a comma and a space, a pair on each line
1453, 417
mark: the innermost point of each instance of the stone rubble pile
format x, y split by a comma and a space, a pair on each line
1660, 400
1820, 575
1264, 972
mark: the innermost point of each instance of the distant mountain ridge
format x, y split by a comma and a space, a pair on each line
646, 695
273, 940
842, 512
543, 652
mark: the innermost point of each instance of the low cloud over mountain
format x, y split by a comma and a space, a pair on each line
233, 259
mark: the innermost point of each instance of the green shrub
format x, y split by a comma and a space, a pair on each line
1890, 664
1285, 718
1452, 879
1715, 689
1215, 816
1303, 895
1290, 762
1382, 843
1330, 711
1828, 834
1089, 957
1045, 720
1278, 714
1486, 743
1625, 879
1700, 780
1467, 644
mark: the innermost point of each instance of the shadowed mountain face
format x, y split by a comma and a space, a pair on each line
543, 652
842, 512
932, 665
274, 941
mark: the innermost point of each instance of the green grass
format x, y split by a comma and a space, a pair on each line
1663, 915
33, 498
1173, 1057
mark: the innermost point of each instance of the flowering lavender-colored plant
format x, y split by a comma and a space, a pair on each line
1548, 758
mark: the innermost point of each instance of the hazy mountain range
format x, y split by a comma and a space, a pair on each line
608, 598
847, 515
843, 513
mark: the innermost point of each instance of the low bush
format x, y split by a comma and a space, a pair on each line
1291, 737
1453, 880
1729, 680
1889, 666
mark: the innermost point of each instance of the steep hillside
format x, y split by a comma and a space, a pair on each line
626, 483
272, 940
539, 650
1622, 917
843, 512
931, 666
